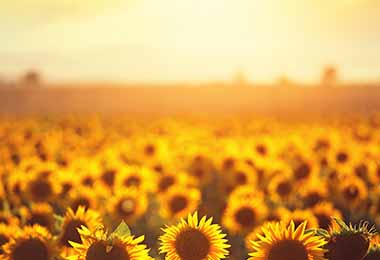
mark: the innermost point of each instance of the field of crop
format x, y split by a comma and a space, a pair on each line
181, 188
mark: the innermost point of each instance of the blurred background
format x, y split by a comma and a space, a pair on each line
189, 56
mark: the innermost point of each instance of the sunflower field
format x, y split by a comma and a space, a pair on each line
121, 188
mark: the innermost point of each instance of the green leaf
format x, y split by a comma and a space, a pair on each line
121, 231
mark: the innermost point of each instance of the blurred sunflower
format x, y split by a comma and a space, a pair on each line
40, 186
313, 192
178, 202
98, 244
352, 192
304, 170
304, 216
140, 178
202, 168
244, 215
32, 242
167, 180
279, 214
281, 188
128, 205
194, 240
83, 196
41, 214
281, 242
324, 212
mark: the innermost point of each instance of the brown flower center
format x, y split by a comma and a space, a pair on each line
261, 149
348, 247
132, 181
150, 150
246, 217
40, 189
98, 251
312, 199
342, 157
88, 181
31, 249
178, 203
373, 255
70, 233
361, 171
241, 178
302, 171
284, 188
288, 250
192, 244
41, 219
324, 221
80, 202
228, 163
4, 220
108, 177
351, 192
165, 183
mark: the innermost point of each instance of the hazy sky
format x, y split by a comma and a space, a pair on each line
184, 40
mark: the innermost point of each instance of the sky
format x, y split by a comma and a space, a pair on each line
189, 40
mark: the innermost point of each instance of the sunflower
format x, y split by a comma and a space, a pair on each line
348, 242
140, 178
39, 214
313, 192
352, 192
342, 158
246, 192
194, 240
201, 167
167, 180
244, 215
281, 242
98, 244
324, 212
178, 202
41, 187
374, 250
83, 196
365, 169
304, 170
254, 234
281, 188
299, 216
74, 220
128, 205
6, 232
279, 214
32, 242
7, 218
374, 174
241, 174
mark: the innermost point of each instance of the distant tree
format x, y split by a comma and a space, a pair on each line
31, 78
329, 76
